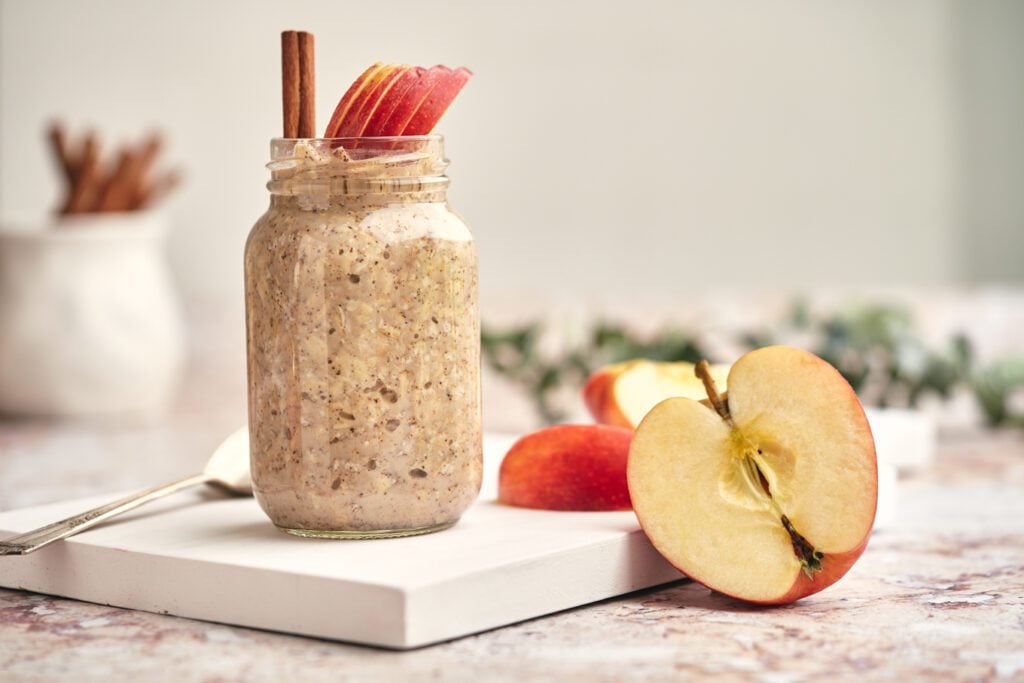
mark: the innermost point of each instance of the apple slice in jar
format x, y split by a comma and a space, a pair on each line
362, 110
358, 86
412, 98
376, 125
438, 100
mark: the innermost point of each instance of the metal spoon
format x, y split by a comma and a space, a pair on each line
227, 468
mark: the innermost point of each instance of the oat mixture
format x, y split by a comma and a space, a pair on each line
363, 353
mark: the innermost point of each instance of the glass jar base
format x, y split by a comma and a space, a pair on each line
351, 535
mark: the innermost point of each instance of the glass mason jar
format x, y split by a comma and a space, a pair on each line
363, 338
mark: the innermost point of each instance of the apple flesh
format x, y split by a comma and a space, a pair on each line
567, 467
621, 394
767, 495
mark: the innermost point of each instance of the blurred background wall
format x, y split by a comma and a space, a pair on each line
604, 149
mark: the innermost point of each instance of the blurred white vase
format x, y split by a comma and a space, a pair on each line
90, 322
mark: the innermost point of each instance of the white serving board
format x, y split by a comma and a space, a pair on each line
202, 555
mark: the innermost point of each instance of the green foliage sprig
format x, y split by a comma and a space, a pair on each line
875, 347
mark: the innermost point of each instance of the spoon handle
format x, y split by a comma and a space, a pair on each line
31, 541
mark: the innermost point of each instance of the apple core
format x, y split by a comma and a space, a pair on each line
748, 456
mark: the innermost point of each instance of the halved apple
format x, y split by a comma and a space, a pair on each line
621, 394
768, 495
567, 467
597, 395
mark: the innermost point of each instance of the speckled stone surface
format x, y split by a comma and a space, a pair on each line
939, 596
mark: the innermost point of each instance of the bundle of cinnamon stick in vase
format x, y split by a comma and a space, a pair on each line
93, 184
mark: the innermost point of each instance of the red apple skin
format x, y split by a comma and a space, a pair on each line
411, 101
568, 467
833, 568
363, 107
377, 124
598, 399
437, 101
346, 101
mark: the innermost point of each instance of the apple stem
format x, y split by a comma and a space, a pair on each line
703, 372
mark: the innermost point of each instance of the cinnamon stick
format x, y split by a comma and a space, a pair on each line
290, 82
59, 143
117, 189
144, 160
83, 192
159, 188
307, 87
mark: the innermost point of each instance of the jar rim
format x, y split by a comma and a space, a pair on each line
378, 138
400, 164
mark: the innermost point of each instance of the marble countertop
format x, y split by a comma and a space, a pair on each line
939, 595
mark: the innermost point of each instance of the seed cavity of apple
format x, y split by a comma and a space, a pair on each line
810, 559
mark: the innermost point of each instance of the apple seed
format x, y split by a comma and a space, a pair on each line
809, 557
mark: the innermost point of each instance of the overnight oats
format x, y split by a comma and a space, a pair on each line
363, 341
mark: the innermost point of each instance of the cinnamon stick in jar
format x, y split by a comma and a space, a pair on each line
290, 80
307, 87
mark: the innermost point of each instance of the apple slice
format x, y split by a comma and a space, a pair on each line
345, 103
437, 101
768, 496
377, 123
567, 467
621, 394
411, 100
362, 109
